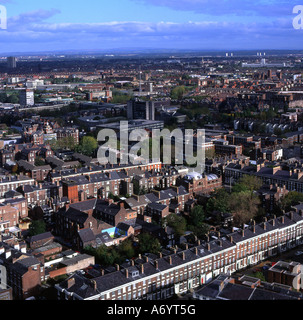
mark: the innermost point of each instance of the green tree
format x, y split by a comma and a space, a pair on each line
244, 206
218, 202
196, 221
291, 199
148, 244
248, 183
126, 249
37, 227
178, 92
178, 223
88, 145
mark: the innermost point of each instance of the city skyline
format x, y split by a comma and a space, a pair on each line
188, 24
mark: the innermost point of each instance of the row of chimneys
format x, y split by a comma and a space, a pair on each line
156, 263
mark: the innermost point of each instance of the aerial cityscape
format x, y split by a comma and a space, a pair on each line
157, 158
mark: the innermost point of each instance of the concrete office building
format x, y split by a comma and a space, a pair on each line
27, 97
11, 62
138, 109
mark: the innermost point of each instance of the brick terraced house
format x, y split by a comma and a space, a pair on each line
157, 277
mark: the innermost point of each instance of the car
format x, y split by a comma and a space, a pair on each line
298, 253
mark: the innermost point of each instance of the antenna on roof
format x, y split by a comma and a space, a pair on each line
140, 86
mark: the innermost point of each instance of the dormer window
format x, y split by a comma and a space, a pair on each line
135, 274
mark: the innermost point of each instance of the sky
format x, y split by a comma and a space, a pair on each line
66, 25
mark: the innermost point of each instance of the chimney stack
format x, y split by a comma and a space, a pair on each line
156, 264
117, 267
94, 284
170, 260
142, 268
126, 273
196, 251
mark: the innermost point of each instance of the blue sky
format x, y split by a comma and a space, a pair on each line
177, 24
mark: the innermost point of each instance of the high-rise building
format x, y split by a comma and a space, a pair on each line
27, 97
11, 62
138, 109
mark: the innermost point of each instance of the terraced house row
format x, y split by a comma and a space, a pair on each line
155, 277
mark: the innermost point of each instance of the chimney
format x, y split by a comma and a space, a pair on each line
170, 260
196, 251
70, 282
199, 242
208, 247
126, 273
183, 256
102, 272
133, 263
94, 284
291, 215
121, 205
160, 255
254, 228
243, 233
282, 219
146, 259
117, 267
264, 225
142, 268
156, 264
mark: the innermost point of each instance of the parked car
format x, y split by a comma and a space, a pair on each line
298, 253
